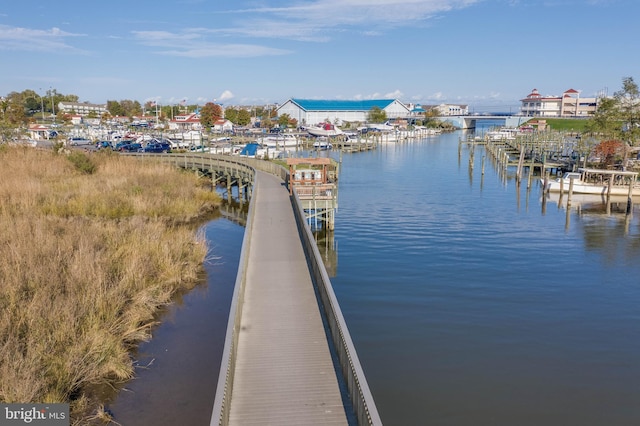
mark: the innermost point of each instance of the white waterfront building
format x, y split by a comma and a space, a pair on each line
570, 104
309, 112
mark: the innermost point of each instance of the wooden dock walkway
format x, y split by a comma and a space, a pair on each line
284, 372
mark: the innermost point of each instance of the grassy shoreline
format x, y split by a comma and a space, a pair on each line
87, 260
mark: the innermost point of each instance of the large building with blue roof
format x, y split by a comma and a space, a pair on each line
309, 112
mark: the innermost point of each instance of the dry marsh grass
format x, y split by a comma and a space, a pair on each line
86, 261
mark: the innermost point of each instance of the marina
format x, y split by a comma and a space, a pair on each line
480, 294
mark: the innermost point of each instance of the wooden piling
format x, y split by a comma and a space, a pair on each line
545, 189
531, 169
570, 192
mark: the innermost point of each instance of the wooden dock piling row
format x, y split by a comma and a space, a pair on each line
547, 151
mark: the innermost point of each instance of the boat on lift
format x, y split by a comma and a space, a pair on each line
596, 181
323, 129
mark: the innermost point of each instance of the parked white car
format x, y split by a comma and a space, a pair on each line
79, 141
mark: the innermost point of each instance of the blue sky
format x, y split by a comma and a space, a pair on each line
488, 54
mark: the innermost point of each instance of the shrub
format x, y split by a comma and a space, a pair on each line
82, 162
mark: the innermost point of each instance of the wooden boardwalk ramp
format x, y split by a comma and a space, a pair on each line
284, 373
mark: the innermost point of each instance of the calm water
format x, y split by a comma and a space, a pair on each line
470, 303
178, 369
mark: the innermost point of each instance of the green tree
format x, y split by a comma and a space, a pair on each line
377, 115
231, 114
244, 117
284, 120
629, 105
124, 108
619, 117
115, 109
13, 110
32, 104
169, 111
131, 108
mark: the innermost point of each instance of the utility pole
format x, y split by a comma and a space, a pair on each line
53, 107
41, 103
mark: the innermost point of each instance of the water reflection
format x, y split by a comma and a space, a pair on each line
328, 248
235, 211
178, 369
468, 306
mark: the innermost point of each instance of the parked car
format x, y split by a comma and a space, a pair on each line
122, 143
79, 141
104, 145
131, 147
157, 147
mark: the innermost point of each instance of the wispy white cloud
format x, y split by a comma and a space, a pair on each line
274, 28
358, 11
26, 39
310, 20
193, 44
396, 94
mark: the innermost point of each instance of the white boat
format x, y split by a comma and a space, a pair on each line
192, 136
322, 144
284, 140
324, 129
380, 127
501, 134
595, 181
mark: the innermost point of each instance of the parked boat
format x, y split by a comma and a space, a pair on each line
255, 150
283, 140
596, 181
501, 134
380, 127
322, 144
324, 129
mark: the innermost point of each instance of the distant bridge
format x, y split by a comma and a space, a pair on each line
466, 122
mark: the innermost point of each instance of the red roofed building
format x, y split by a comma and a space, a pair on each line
185, 122
222, 125
570, 104
38, 131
